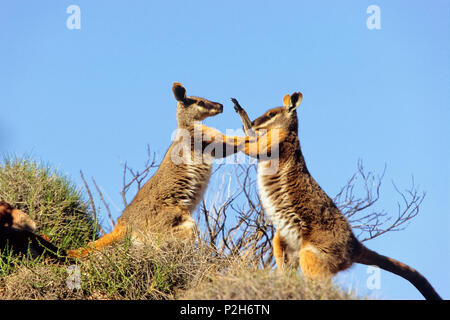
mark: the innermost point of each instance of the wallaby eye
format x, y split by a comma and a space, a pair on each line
201, 103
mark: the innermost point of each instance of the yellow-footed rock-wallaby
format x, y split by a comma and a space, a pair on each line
165, 203
311, 232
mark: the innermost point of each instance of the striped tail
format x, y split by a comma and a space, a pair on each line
369, 257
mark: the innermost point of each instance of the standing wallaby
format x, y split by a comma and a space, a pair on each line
165, 203
310, 229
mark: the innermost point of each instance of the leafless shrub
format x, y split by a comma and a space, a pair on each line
361, 211
138, 178
131, 178
238, 224
234, 223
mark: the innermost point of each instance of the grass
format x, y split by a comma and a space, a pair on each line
156, 271
50, 199
165, 270
246, 283
162, 269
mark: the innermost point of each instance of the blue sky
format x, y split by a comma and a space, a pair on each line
92, 98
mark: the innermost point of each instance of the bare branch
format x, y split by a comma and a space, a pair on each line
92, 203
246, 231
375, 223
137, 177
111, 220
235, 223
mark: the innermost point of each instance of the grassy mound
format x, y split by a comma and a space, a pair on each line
49, 198
157, 271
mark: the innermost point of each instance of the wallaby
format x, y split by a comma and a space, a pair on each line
17, 232
310, 229
165, 203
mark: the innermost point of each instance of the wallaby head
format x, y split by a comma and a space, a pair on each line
193, 109
284, 117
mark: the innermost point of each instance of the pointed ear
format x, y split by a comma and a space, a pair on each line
296, 99
179, 91
286, 100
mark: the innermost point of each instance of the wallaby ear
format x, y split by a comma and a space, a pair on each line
296, 99
179, 91
287, 100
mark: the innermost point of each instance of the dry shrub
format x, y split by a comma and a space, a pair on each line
244, 282
162, 269
157, 270
40, 281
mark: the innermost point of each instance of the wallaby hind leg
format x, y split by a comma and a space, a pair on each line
186, 230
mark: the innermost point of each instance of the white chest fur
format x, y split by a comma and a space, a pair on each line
198, 178
289, 233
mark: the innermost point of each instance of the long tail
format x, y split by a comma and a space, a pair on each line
369, 257
42, 245
25, 241
117, 234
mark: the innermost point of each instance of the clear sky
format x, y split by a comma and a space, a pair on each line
91, 98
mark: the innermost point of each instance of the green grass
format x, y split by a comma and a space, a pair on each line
49, 198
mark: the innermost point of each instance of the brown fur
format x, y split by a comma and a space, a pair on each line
14, 218
17, 233
165, 203
311, 231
